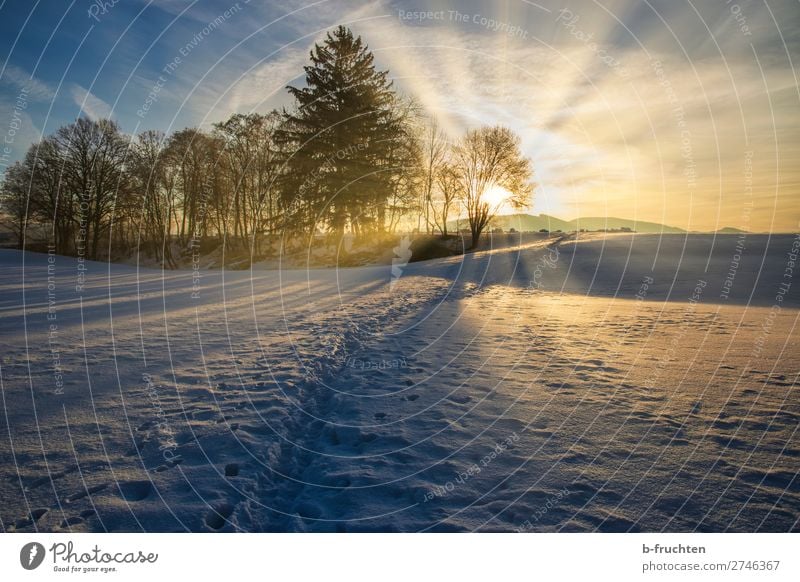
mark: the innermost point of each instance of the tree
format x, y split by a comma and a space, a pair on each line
491, 157
403, 166
434, 150
342, 137
251, 162
266, 170
154, 182
193, 163
93, 173
448, 185
50, 202
14, 200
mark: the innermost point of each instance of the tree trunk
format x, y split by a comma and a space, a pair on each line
476, 236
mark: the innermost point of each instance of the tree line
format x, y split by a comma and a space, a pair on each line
352, 155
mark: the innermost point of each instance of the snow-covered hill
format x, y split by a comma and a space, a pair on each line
618, 383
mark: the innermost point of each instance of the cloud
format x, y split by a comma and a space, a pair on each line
22, 80
90, 104
19, 133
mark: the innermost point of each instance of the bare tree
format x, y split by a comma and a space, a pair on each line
265, 168
14, 201
491, 157
192, 161
94, 171
155, 184
448, 187
403, 165
51, 203
434, 150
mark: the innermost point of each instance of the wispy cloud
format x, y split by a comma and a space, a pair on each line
20, 80
90, 104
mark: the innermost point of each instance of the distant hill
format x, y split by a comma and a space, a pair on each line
528, 222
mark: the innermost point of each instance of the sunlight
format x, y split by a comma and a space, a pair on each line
497, 197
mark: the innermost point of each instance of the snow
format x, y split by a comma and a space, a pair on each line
556, 386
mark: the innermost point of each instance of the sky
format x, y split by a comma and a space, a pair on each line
671, 111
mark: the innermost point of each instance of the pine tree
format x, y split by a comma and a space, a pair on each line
343, 136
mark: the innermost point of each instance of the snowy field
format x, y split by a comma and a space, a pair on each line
620, 383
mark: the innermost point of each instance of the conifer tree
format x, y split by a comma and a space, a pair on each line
343, 136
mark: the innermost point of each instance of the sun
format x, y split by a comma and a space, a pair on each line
496, 197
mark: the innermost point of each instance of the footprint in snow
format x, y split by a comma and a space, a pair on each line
459, 398
218, 516
135, 490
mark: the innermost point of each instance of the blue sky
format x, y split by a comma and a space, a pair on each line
671, 111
